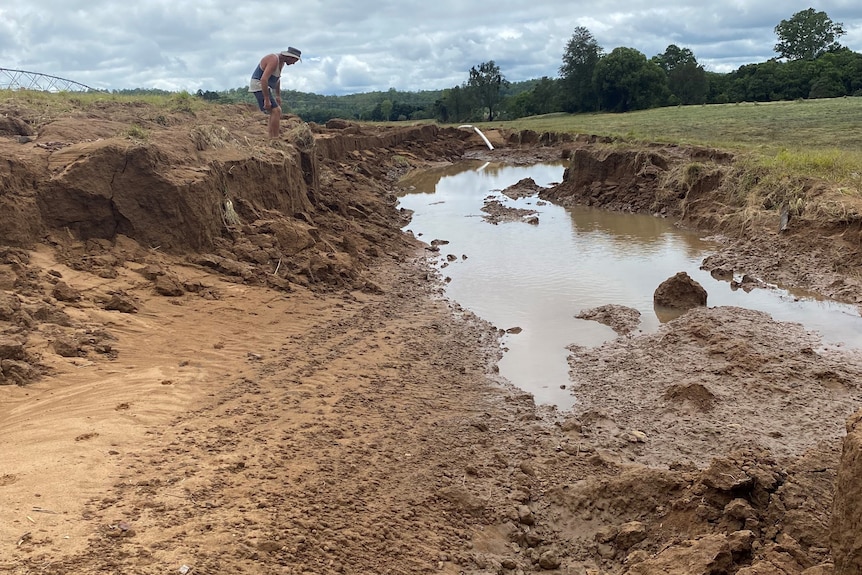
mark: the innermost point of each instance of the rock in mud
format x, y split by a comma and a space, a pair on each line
63, 292
65, 347
630, 534
14, 372
121, 304
11, 348
10, 305
168, 286
709, 554
680, 292
523, 189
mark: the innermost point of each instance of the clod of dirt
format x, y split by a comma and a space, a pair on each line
523, 189
168, 286
11, 348
65, 347
680, 292
11, 126
620, 318
63, 292
498, 213
121, 304
695, 394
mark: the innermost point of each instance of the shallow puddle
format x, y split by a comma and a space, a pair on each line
539, 277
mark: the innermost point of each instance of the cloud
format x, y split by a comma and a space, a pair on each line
350, 47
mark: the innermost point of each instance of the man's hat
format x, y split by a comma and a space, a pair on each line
293, 53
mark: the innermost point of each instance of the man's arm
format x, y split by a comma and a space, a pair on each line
269, 65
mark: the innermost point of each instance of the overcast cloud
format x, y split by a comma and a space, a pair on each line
351, 47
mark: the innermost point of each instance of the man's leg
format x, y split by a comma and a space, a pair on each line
274, 120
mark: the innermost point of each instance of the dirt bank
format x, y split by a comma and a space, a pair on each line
221, 355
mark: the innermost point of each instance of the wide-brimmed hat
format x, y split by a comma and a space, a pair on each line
293, 53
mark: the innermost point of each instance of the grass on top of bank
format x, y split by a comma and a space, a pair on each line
834, 123
54, 104
803, 138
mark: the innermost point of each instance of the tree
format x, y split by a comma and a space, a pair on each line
674, 57
485, 83
717, 87
849, 65
828, 82
686, 79
807, 35
579, 62
542, 99
455, 105
625, 80
386, 109
546, 96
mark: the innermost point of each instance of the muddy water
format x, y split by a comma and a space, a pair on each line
539, 277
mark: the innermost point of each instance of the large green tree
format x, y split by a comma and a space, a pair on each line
580, 57
626, 80
807, 35
485, 83
686, 79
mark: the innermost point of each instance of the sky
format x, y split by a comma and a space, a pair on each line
354, 47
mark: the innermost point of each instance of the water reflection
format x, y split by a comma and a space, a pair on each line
426, 182
619, 230
540, 277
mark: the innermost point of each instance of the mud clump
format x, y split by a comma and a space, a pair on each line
623, 320
525, 188
695, 393
680, 293
498, 213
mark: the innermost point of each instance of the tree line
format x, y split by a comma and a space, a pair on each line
810, 64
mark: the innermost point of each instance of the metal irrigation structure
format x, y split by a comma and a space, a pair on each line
23, 80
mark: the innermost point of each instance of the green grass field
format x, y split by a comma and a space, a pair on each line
803, 124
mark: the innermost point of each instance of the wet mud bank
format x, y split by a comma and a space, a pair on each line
221, 352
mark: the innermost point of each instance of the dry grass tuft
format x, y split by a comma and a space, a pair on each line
301, 137
229, 215
835, 206
209, 136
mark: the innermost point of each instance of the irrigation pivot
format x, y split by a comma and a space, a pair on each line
23, 80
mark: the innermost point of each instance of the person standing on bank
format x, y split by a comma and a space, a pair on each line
266, 84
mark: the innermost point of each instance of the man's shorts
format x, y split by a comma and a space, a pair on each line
259, 96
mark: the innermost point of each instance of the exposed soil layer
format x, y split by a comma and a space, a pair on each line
221, 354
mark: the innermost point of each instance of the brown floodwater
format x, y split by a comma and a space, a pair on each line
539, 277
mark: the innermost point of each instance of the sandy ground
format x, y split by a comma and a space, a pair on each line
241, 428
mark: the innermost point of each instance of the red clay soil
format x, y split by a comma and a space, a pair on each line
221, 354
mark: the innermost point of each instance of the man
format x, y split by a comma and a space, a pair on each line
266, 84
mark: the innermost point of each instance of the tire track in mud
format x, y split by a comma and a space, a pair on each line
372, 441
